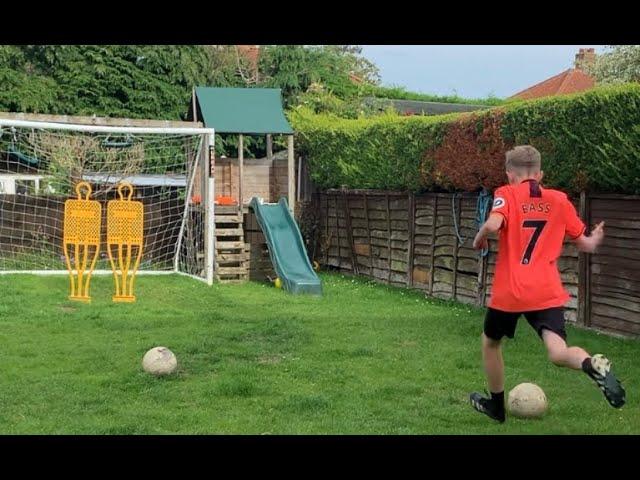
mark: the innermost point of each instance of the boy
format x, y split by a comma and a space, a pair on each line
532, 222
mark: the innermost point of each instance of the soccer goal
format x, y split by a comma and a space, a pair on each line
41, 163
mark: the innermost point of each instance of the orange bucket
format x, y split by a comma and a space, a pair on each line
222, 200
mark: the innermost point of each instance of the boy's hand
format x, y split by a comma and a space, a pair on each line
480, 242
492, 225
598, 233
590, 243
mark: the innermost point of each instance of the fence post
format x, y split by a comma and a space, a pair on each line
347, 217
458, 217
388, 239
412, 228
336, 202
433, 243
317, 224
584, 269
366, 219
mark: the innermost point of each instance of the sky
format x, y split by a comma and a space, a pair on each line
472, 71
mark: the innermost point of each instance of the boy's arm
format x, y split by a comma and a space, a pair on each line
590, 244
497, 218
492, 225
575, 228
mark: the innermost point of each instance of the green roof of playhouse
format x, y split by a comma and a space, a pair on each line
242, 110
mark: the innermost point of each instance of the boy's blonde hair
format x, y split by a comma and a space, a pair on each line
523, 160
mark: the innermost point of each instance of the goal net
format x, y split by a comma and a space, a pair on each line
41, 164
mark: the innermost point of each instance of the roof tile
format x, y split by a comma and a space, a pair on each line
570, 81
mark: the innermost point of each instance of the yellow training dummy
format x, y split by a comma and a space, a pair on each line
124, 233
82, 220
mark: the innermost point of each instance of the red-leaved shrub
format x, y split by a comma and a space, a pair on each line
471, 155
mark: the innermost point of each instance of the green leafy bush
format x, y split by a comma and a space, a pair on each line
23, 90
381, 152
588, 141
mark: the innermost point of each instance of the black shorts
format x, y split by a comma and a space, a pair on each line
497, 323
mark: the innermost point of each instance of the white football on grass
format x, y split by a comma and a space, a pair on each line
527, 400
159, 361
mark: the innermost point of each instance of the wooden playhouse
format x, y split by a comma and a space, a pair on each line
240, 247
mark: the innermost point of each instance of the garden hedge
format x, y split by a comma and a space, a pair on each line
588, 141
382, 152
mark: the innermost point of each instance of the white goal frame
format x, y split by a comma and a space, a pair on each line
203, 163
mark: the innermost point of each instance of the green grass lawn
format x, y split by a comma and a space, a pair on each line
364, 359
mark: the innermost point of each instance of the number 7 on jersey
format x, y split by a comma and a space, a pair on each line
539, 226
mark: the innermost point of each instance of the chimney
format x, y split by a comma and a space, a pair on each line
584, 57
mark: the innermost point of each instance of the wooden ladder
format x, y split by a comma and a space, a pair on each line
232, 256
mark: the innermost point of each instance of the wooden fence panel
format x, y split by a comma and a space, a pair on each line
614, 271
425, 242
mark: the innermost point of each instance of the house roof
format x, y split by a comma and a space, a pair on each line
570, 81
242, 110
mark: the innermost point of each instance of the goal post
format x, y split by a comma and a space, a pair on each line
42, 161
209, 202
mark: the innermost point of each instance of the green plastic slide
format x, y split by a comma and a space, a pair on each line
286, 247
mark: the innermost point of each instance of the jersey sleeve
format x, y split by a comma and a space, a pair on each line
501, 204
574, 227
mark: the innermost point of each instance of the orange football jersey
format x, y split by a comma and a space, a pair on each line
536, 221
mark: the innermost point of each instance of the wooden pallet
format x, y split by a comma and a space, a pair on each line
228, 218
231, 256
229, 232
232, 267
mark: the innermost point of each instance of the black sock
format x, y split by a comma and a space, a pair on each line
498, 399
587, 367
